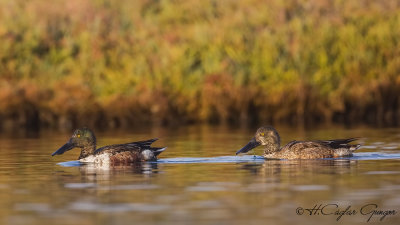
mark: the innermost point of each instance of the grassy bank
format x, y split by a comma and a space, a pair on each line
119, 63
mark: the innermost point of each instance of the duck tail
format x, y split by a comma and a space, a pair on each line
353, 148
346, 151
157, 151
145, 145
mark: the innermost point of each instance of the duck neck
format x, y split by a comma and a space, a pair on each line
271, 147
87, 151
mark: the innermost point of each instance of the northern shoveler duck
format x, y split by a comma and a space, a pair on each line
113, 154
269, 138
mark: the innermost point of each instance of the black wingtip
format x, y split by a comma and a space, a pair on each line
353, 139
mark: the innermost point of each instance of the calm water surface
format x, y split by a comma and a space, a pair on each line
198, 180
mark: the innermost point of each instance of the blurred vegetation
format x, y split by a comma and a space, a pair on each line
119, 63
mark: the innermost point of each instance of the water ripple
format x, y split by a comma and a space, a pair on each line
206, 188
130, 187
117, 207
243, 159
36, 207
382, 172
115, 187
219, 159
310, 187
79, 185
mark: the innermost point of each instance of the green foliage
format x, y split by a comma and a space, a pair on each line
116, 63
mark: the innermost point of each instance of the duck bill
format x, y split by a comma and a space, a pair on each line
252, 144
68, 146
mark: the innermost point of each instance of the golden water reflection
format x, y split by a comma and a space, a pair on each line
36, 189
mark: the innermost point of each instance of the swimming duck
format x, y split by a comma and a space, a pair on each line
113, 154
269, 138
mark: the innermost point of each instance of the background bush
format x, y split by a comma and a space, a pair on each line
106, 63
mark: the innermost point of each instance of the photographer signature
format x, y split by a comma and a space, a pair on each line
369, 210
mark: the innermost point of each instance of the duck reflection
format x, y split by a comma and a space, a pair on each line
301, 167
95, 172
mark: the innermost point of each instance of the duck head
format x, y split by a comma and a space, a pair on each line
81, 138
265, 136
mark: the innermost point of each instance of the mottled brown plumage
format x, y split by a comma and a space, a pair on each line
115, 154
269, 138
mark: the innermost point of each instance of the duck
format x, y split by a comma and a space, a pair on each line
128, 153
268, 137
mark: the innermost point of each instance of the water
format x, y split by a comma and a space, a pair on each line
198, 180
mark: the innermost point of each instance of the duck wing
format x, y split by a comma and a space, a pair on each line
318, 149
300, 145
305, 150
138, 146
334, 143
338, 143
